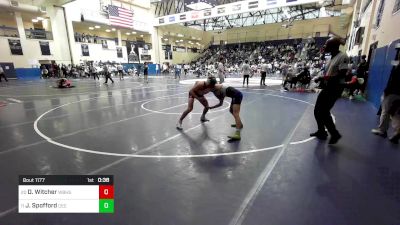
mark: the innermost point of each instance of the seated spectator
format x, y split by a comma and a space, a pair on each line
351, 84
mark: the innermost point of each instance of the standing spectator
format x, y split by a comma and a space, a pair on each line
253, 69
185, 68
107, 74
51, 70
269, 67
93, 71
246, 71
395, 116
390, 94
165, 69
2, 74
264, 68
177, 71
42, 70
89, 38
146, 72
336, 71
76, 37
221, 70
362, 69
120, 71
95, 39
64, 70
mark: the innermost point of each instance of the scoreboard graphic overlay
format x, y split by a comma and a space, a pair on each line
66, 194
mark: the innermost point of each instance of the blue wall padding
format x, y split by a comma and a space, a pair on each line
152, 69
379, 72
28, 73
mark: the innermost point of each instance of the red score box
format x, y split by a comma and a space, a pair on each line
106, 192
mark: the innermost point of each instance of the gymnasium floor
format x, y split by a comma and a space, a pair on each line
275, 175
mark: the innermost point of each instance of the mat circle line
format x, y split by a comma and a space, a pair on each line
48, 139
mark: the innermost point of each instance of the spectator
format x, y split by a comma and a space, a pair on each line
2, 74
362, 72
246, 72
390, 94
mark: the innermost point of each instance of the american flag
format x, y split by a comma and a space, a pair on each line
120, 17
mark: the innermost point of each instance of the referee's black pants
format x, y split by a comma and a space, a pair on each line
108, 76
263, 76
246, 77
325, 101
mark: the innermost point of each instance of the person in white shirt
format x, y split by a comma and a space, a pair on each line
186, 69
246, 71
165, 69
107, 74
2, 75
264, 68
221, 71
253, 70
120, 71
269, 66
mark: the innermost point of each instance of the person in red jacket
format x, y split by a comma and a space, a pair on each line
352, 84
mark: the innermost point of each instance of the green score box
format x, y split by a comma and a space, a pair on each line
106, 206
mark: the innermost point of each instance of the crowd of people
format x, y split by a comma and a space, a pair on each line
296, 62
88, 70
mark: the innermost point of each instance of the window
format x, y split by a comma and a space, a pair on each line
366, 4
359, 36
380, 13
396, 6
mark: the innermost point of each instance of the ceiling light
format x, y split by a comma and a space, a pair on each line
127, 33
165, 39
141, 35
180, 35
181, 40
199, 6
91, 28
113, 29
108, 30
39, 18
35, 20
133, 32
97, 26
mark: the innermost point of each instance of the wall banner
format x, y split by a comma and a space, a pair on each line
119, 52
132, 48
45, 47
15, 46
85, 49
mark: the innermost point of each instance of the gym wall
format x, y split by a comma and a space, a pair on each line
31, 48
388, 29
92, 9
182, 57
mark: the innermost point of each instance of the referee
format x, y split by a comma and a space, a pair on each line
336, 71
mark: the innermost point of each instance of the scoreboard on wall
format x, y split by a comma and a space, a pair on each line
66, 194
